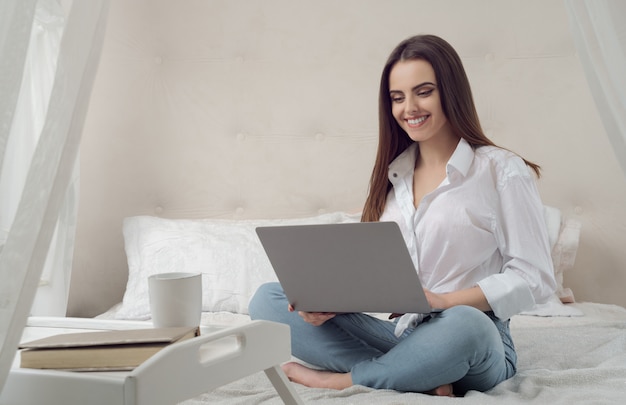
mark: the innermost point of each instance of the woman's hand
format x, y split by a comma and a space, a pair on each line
314, 318
436, 301
473, 297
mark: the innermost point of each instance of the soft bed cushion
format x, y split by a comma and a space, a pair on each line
233, 263
564, 236
227, 253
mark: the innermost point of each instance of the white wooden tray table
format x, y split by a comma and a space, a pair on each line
176, 373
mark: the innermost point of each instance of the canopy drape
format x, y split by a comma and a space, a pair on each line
51, 167
599, 31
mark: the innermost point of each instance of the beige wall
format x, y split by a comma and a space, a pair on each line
249, 109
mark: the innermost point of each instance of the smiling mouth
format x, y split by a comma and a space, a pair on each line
416, 122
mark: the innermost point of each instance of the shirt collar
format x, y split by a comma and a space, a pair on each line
461, 160
403, 163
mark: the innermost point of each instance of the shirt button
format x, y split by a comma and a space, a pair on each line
395, 175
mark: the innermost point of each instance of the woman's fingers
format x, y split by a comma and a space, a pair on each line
316, 318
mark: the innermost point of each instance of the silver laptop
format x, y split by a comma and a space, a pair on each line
350, 267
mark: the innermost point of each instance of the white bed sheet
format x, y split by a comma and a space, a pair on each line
562, 360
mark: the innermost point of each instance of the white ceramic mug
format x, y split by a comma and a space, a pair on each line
175, 299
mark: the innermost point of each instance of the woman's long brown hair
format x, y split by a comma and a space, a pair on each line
456, 101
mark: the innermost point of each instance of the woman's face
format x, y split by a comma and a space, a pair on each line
415, 100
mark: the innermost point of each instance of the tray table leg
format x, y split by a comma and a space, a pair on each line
283, 386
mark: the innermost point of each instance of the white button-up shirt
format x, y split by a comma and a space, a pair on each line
483, 225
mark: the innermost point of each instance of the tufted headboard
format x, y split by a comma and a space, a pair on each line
267, 109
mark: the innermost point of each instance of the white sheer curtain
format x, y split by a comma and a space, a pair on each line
599, 31
28, 120
37, 203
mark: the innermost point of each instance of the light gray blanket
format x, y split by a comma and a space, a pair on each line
561, 360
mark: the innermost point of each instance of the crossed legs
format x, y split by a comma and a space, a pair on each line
459, 349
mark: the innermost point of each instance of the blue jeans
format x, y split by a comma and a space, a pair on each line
471, 349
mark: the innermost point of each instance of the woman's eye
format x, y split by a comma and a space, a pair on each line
397, 99
425, 93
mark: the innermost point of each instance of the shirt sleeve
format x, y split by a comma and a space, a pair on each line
527, 275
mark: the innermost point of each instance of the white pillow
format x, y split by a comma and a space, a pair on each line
564, 236
226, 252
233, 263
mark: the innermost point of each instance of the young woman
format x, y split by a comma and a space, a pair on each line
472, 218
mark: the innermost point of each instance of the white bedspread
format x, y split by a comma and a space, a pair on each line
561, 360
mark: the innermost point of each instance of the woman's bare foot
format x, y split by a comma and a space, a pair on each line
309, 377
442, 391
300, 374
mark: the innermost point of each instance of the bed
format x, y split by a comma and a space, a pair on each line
568, 353
579, 360
562, 360
208, 118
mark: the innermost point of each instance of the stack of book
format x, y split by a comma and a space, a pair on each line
100, 351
